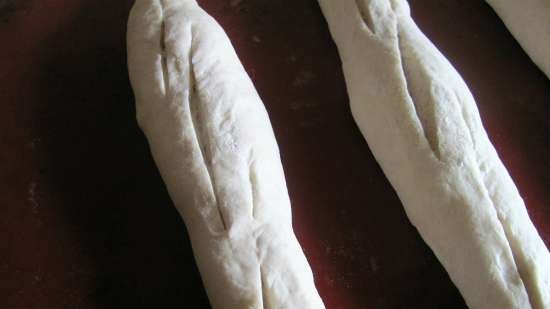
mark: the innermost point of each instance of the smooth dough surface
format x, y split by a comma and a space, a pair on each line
422, 124
212, 141
529, 23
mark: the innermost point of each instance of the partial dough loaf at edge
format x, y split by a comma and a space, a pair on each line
213, 143
529, 23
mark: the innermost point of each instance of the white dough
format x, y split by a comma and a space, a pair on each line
529, 22
422, 124
212, 141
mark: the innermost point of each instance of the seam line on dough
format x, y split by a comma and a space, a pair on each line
162, 44
194, 111
263, 289
252, 180
364, 12
403, 66
523, 276
507, 237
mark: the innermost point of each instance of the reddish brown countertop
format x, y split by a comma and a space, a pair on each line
85, 221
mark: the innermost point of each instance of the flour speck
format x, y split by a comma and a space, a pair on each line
303, 78
373, 264
235, 3
32, 197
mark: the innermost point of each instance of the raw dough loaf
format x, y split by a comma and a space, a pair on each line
529, 22
422, 124
212, 141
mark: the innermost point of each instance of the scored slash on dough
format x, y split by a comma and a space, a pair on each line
163, 59
365, 14
427, 130
194, 102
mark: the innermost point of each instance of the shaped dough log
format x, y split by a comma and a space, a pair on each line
421, 122
529, 23
212, 141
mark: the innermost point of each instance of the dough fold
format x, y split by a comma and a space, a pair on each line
212, 140
422, 124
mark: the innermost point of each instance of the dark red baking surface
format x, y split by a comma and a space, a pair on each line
85, 220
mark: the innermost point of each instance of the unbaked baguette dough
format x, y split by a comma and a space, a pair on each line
422, 124
212, 141
529, 22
